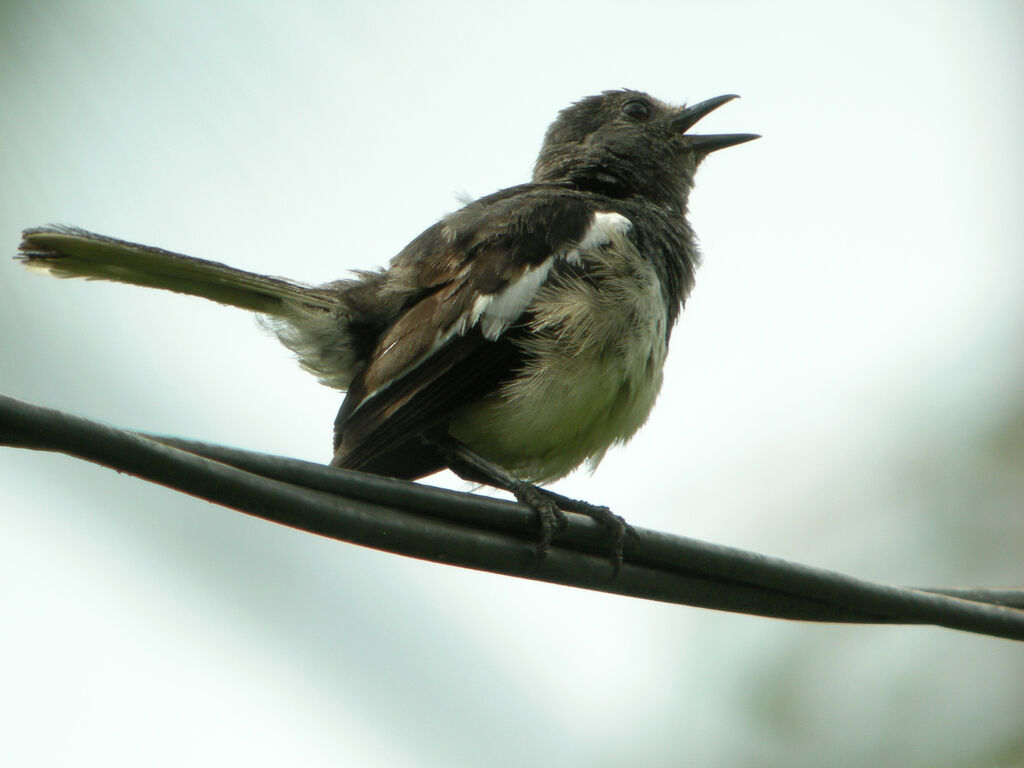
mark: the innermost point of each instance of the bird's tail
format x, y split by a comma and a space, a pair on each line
71, 252
323, 326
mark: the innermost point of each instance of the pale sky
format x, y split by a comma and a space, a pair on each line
853, 347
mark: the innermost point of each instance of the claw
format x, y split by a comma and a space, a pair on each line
552, 519
617, 527
549, 507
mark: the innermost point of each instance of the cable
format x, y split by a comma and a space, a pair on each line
499, 536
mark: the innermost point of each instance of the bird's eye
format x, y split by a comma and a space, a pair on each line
636, 109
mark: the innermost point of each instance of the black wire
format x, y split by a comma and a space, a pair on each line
498, 536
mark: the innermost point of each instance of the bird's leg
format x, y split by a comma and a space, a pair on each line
471, 466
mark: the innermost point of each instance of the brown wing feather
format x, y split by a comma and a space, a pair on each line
433, 359
383, 435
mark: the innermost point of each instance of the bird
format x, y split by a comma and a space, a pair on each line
512, 341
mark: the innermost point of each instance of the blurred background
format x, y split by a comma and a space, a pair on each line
844, 388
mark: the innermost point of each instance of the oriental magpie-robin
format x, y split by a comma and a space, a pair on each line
513, 340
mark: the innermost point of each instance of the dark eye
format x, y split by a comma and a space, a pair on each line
636, 109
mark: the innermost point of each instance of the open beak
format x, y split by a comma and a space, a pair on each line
690, 116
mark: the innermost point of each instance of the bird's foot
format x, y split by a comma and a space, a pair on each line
552, 519
549, 506
617, 526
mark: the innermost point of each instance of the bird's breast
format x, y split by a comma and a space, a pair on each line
594, 343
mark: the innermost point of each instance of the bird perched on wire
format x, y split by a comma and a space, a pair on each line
513, 340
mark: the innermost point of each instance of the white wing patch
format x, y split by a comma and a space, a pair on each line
497, 311
602, 231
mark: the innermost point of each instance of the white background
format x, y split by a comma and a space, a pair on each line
844, 388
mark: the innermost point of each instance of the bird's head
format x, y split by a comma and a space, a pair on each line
628, 144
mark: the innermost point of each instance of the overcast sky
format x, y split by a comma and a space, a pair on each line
852, 351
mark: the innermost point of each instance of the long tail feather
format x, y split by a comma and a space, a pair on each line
71, 252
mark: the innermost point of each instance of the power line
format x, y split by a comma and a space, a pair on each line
499, 536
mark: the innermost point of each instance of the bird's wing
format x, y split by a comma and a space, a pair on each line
455, 344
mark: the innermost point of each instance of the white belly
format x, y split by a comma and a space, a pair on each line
595, 356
